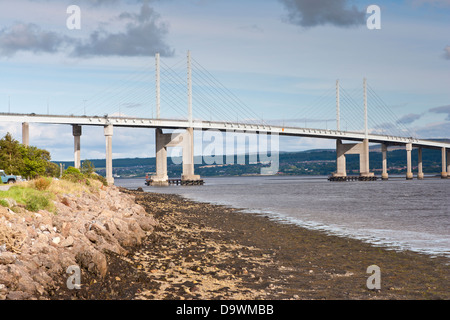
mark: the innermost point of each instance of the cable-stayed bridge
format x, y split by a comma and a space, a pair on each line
334, 115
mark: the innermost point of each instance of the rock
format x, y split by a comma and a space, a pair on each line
68, 242
65, 229
26, 284
7, 258
147, 223
17, 295
92, 260
70, 237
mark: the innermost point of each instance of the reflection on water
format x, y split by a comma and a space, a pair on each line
401, 214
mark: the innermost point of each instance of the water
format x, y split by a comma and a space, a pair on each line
399, 214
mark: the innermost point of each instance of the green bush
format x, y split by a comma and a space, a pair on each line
98, 177
36, 202
73, 175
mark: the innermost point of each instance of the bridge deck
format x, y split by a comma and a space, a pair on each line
219, 126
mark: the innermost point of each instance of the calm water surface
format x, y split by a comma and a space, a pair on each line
400, 214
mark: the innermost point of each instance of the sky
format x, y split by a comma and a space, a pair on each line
276, 59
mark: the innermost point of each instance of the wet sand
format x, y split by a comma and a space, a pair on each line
202, 251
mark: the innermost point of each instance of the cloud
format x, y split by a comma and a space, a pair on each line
447, 52
29, 37
144, 36
443, 109
311, 13
437, 130
409, 118
438, 3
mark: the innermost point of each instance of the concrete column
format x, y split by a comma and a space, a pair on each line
163, 141
420, 165
76, 129
340, 160
448, 163
409, 174
364, 170
109, 168
161, 177
384, 174
188, 156
26, 134
444, 164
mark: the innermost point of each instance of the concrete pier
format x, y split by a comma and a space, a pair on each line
164, 141
420, 165
444, 164
384, 174
76, 130
108, 135
26, 134
352, 148
188, 156
448, 163
409, 174
161, 177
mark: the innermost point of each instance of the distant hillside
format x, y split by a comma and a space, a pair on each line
311, 162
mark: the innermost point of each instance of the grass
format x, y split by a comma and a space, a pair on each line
32, 199
41, 193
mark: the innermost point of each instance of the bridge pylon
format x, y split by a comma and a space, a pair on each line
166, 140
352, 148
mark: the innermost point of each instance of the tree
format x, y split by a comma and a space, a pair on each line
26, 161
87, 167
10, 155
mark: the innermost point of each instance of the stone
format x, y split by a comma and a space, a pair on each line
65, 229
17, 295
92, 260
7, 258
68, 242
147, 223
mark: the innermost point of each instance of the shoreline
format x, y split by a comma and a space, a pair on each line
203, 251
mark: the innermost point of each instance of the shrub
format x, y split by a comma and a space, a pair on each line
4, 203
36, 202
42, 184
98, 177
74, 175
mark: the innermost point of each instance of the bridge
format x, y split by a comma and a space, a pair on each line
359, 140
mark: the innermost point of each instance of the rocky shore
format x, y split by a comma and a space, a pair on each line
147, 246
36, 248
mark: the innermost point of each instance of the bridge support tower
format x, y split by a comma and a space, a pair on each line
26, 134
165, 140
409, 174
108, 131
352, 148
445, 167
420, 175
76, 130
384, 174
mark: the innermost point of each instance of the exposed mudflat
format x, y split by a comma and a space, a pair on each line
209, 252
